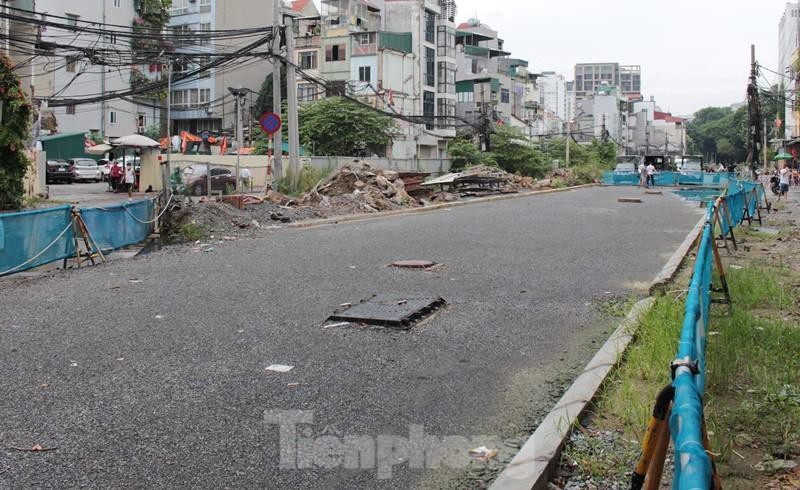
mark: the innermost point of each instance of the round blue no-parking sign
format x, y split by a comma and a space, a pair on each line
270, 122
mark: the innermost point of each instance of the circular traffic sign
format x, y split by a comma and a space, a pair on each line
270, 122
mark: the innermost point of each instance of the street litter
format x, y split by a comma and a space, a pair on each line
35, 449
159, 317
135, 281
736, 267
209, 249
73, 364
334, 325
280, 368
292, 385
483, 454
120, 358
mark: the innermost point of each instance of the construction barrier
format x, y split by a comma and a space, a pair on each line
694, 463
30, 239
719, 179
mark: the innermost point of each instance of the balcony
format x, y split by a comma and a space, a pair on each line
363, 49
308, 41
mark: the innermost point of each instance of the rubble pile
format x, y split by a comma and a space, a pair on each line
358, 187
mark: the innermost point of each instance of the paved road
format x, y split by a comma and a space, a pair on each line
163, 382
89, 193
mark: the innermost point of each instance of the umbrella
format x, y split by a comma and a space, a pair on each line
136, 141
782, 156
100, 149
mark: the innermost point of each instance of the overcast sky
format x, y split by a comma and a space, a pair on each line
694, 53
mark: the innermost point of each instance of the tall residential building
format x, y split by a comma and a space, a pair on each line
79, 76
308, 44
205, 103
553, 94
590, 76
788, 44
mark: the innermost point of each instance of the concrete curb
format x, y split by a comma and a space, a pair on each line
401, 212
658, 286
534, 464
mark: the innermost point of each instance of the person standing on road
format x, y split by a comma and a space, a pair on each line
130, 179
784, 183
651, 174
114, 176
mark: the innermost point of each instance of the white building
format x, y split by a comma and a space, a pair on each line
78, 77
788, 43
553, 94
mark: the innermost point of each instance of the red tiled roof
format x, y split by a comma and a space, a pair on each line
666, 116
299, 5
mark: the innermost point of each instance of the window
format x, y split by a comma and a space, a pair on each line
141, 121
430, 67
179, 7
204, 61
447, 78
364, 73
72, 19
307, 60
446, 108
467, 97
335, 52
205, 96
205, 6
71, 109
305, 92
505, 96
182, 34
117, 3
430, 26
203, 35
365, 38
112, 117
428, 108
71, 62
446, 42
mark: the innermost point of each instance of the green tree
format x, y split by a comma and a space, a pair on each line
464, 153
14, 133
719, 131
514, 153
264, 100
153, 132
337, 126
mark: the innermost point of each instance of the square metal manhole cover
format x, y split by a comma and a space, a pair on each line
390, 310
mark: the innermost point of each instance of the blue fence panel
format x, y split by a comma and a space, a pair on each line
693, 465
32, 238
611, 178
666, 178
119, 225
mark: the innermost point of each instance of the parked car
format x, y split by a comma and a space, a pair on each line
59, 171
86, 169
105, 168
222, 180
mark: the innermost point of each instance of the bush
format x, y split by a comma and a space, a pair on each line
309, 177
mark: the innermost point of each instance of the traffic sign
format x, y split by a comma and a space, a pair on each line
270, 122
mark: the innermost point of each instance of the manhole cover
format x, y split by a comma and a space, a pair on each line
390, 310
414, 264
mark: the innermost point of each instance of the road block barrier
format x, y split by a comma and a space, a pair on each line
694, 462
668, 178
29, 239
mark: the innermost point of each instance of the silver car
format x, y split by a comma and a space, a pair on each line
86, 169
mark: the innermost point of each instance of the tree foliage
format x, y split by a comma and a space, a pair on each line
337, 126
264, 101
14, 133
719, 131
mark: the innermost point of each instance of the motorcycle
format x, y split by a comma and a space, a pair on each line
775, 184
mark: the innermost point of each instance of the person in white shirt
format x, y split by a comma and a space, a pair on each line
130, 179
651, 175
247, 178
785, 173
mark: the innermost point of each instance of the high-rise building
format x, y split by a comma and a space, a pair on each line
553, 94
788, 44
204, 102
590, 76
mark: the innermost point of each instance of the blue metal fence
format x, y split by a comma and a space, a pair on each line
30, 239
693, 466
671, 178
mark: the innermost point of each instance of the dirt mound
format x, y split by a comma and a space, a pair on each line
359, 187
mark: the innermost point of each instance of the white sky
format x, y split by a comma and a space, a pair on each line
694, 53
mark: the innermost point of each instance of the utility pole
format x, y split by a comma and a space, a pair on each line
291, 98
238, 96
754, 110
569, 137
277, 139
103, 83
764, 146
165, 169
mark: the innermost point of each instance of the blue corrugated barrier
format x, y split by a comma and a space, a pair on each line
671, 178
693, 466
30, 239
119, 225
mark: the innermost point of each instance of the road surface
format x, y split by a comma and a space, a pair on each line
151, 372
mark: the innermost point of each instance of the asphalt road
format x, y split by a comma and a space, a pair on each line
163, 383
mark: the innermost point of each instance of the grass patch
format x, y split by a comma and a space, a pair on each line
297, 187
193, 231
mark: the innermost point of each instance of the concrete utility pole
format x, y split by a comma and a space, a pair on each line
238, 96
103, 84
569, 137
765, 145
277, 139
754, 111
291, 98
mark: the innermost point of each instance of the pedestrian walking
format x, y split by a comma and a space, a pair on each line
130, 179
114, 175
651, 174
784, 182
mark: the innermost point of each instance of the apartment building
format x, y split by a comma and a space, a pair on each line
590, 76
788, 44
204, 102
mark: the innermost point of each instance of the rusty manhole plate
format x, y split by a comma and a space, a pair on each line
390, 310
414, 264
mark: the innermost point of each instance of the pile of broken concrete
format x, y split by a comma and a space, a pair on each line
359, 187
